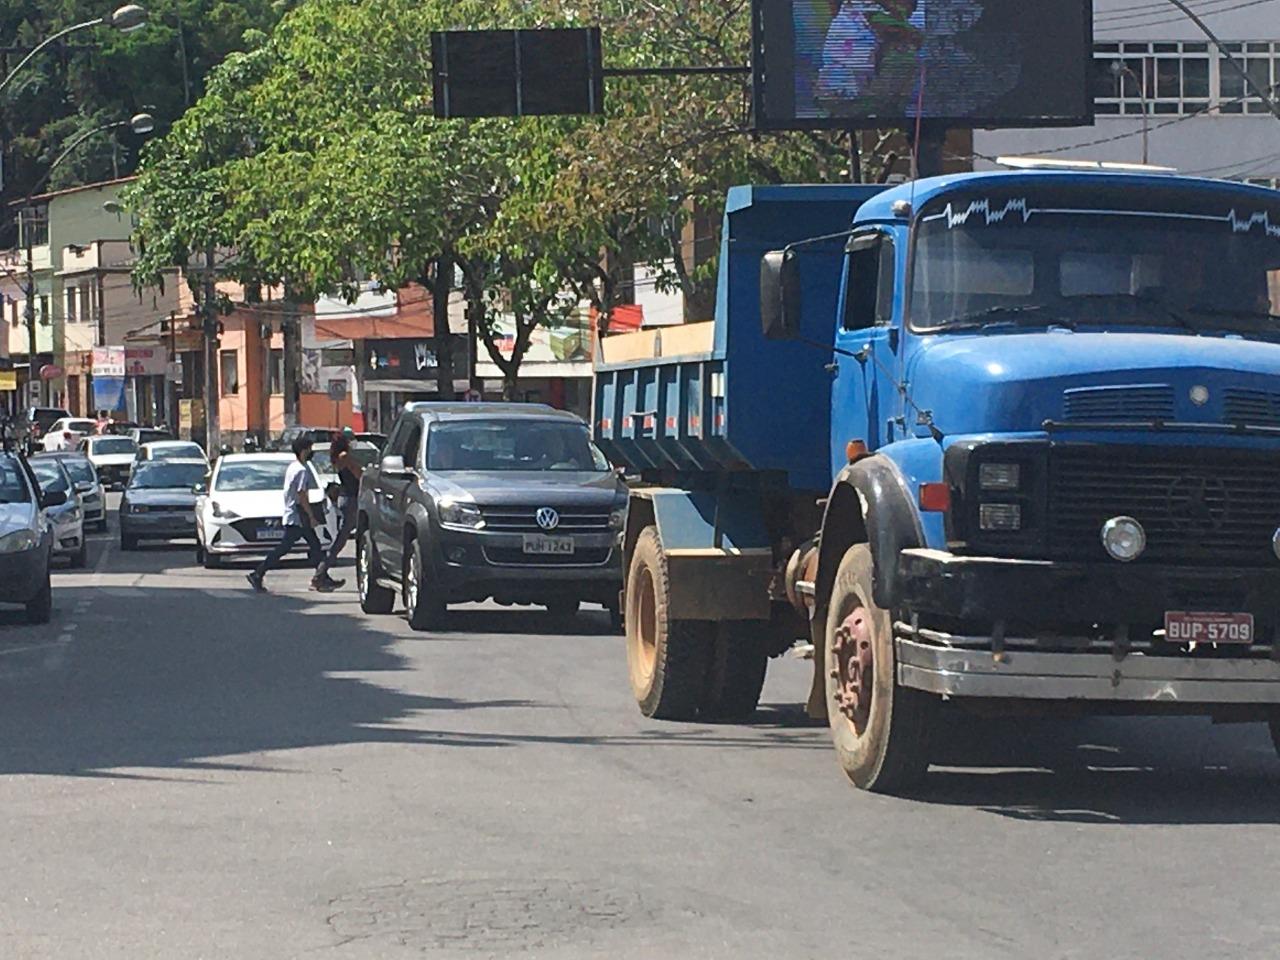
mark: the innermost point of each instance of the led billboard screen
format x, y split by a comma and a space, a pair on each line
974, 63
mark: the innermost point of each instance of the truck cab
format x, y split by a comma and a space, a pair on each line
1052, 411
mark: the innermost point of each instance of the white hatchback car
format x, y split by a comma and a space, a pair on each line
112, 457
240, 515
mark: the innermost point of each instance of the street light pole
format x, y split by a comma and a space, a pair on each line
1120, 69
126, 19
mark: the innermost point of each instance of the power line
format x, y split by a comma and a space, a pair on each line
1209, 8
1183, 19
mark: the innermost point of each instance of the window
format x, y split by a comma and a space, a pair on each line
1182, 78
229, 361
411, 445
337, 357
276, 373
86, 303
72, 302
869, 298
45, 317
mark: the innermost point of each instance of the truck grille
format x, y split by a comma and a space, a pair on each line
524, 519
1254, 407
516, 557
1119, 404
1202, 506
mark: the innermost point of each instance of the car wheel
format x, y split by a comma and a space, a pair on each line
40, 607
128, 542
425, 608
200, 554
211, 561
374, 598
81, 557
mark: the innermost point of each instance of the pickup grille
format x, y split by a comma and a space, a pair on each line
1119, 404
1215, 506
1253, 407
524, 519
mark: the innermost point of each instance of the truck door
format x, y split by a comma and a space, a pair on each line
396, 493
864, 396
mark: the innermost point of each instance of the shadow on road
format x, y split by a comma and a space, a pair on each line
178, 678
1107, 770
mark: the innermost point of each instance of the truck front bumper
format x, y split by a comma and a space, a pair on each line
1040, 630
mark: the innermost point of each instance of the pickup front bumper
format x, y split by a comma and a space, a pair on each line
989, 627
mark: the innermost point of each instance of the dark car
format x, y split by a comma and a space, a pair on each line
320, 436
475, 501
26, 539
159, 502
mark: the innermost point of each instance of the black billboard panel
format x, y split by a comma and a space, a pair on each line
883, 63
517, 73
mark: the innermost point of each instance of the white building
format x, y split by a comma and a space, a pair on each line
1154, 69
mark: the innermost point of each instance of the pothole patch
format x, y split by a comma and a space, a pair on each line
484, 915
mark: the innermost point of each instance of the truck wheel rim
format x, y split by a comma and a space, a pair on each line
854, 669
645, 644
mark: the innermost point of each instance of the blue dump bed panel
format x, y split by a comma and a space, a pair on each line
746, 404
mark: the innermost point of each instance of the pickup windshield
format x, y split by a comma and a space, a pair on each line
486, 445
1185, 261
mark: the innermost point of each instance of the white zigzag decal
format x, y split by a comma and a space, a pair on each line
992, 214
1245, 226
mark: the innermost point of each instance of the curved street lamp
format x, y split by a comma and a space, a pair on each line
1120, 69
126, 19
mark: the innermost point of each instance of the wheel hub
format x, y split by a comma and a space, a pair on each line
854, 669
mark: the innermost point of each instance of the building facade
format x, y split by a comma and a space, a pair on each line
1164, 94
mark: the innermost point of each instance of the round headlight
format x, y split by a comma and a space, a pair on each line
1124, 538
1275, 543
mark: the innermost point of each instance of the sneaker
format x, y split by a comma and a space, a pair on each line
255, 581
322, 586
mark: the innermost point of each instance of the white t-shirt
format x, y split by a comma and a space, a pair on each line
298, 480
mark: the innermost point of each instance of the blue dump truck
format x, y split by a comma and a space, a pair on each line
1003, 441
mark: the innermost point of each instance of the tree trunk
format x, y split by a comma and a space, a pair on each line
441, 335
291, 327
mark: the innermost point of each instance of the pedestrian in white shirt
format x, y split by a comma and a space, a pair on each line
300, 522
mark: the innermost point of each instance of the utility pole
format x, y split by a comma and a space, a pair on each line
213, 439
35, 387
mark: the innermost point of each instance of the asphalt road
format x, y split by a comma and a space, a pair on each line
190, 770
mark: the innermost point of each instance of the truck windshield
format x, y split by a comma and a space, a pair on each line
486, 445
1185, 260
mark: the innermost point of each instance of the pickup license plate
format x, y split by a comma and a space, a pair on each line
556, 546
1183, 627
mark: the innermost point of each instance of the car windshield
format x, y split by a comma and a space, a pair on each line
1197, 261
166, 476
148, 436
246, 476
13, 482
81, 470
114, 445
486, 445
181, 451
50, 476
364, 454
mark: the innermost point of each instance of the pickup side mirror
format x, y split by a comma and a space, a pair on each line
200, 489
52, 498
84, 486
780, 294
394, 467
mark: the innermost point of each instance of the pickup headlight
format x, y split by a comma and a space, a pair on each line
18, 541
455, 514
223, 514
618, 518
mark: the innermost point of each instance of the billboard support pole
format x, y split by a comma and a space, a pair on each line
855, 157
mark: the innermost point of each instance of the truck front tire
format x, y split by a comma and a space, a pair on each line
880, 729
666, 659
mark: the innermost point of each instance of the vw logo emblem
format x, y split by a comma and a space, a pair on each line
1198, 504
547, 518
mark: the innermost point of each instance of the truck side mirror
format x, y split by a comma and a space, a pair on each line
780, 294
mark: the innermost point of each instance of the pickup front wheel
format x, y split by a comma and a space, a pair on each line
667, 659
421, 602
880, 728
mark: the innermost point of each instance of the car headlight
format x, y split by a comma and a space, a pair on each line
456, 514
618, 519
18, 541
73, 513
222, 514
999, 476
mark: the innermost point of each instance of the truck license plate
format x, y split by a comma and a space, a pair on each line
557, 546
1183, 627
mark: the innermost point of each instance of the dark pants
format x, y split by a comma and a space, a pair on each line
346, 524
292, 534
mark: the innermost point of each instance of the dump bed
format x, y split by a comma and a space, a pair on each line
716, 396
